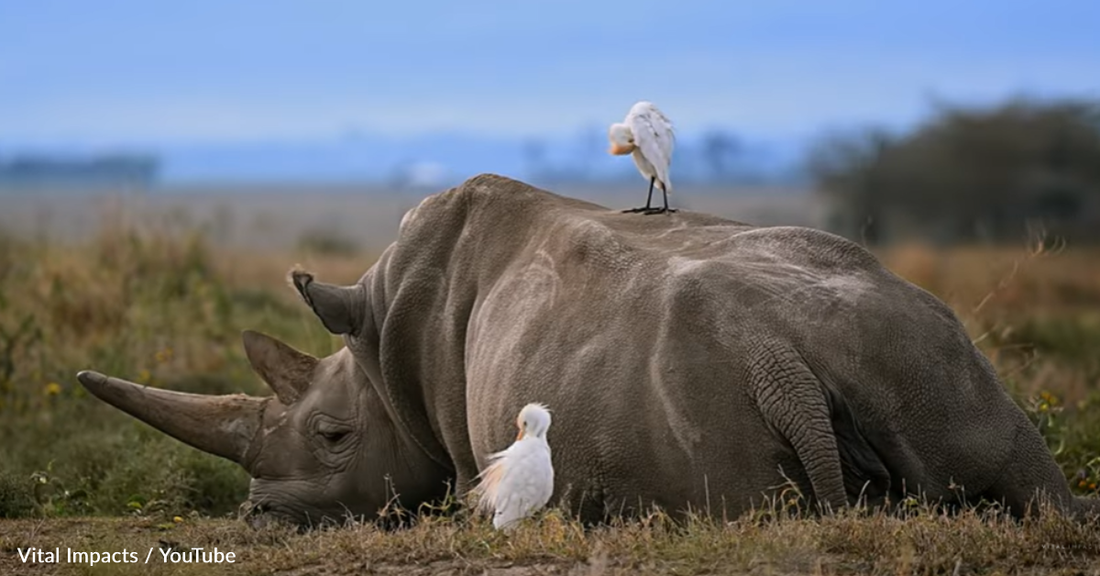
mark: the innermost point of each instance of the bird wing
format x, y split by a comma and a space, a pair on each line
517, 482
654, 136
527, 483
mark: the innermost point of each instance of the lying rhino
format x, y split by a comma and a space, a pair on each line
689, 361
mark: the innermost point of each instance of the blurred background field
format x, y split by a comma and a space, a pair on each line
151, 295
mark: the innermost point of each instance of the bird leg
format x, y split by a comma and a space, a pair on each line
648, 200
648, 210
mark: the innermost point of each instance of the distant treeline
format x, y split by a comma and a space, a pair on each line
46, 171
992, 174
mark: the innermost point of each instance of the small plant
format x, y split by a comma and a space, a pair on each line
24, 334
53, 498
1074, 440
1045, 410
16, 496
1088, 477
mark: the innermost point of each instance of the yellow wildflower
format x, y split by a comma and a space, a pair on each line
1092, 486
1082, 484
163, 356
177, 519
144, 376
53, 389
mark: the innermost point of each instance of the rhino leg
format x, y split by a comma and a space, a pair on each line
1031, 475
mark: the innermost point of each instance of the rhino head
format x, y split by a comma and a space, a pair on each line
323, 447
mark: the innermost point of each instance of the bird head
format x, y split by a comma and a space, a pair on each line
622, 139
533, 420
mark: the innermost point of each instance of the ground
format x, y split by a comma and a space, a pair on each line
163, 302
851, 543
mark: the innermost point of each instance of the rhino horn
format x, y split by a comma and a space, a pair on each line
287, 371
221, 425
340, 308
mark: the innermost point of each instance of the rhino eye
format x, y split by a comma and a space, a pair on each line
334, 436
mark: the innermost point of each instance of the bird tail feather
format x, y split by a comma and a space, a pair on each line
489, 483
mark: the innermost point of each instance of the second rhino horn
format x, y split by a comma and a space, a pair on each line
287, 371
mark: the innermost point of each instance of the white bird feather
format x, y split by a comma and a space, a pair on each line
520, 479
648, 136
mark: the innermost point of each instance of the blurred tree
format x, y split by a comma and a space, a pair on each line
534, 157
720, 150
847, 169
590, 139
968, 174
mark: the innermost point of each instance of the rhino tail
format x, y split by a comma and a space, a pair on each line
842, 466
790, 400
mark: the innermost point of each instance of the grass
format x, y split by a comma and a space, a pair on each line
161, 309
161, 305
924, 541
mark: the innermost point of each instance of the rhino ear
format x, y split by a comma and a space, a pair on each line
285, 369
340, 308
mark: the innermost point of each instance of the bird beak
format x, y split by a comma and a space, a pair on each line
618, 150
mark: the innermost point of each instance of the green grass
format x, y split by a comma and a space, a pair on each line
167, 310
154, 309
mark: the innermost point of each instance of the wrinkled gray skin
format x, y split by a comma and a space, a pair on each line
689, 361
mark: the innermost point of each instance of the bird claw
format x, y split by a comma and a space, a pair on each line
658, 211
635, 210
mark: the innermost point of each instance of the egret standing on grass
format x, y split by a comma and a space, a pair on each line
520, 479
647, 135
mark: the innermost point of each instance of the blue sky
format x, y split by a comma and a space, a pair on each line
139, 71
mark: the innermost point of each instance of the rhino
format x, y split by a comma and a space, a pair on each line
691, 362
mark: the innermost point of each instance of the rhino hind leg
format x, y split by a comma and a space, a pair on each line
1031, 476
866, 477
